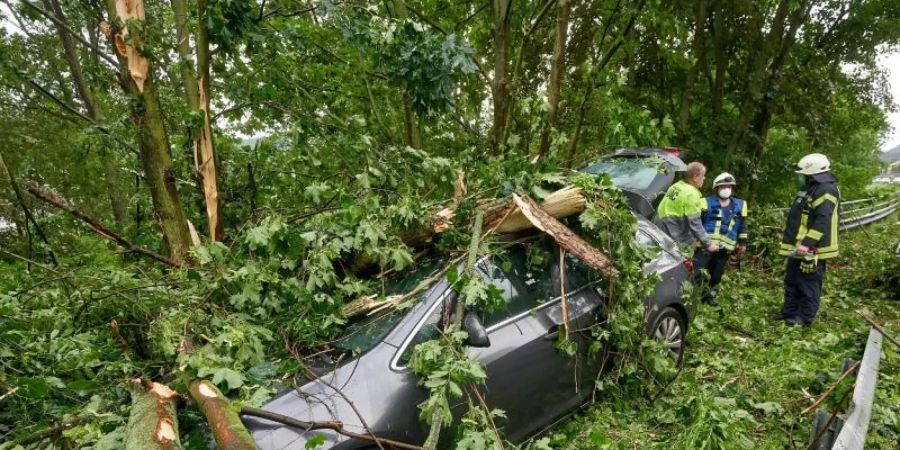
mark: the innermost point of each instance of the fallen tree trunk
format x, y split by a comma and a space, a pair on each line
227, 428
152, 423
501, 217
566, 239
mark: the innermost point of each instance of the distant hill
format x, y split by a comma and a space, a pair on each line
890, 155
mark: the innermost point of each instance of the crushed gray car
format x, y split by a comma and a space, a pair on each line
528, 377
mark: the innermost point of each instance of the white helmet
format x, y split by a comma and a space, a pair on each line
724, 179
813, 163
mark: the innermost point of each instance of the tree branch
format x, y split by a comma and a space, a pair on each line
336, 426
77, 36
63, 204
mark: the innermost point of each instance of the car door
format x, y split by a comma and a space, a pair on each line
527, 377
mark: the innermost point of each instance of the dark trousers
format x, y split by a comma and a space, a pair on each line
708, 270
802, 291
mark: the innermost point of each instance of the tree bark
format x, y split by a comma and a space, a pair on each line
183, 35
763, 118
136, 79
410, 129
718, 91
397, 8
764, 46
227, 428
111, 171
205, 144
500, 84
152, 423
698, 47
557, 73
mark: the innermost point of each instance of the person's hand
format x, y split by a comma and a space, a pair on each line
740, 249
712, 248
801, 250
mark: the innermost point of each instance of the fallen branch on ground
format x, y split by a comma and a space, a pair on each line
227, 428
834, 386
152, 423
50, 432
880, 329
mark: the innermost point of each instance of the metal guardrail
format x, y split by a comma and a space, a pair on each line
865, 215
853, 434
871, 211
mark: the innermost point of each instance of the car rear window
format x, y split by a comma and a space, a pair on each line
635, 174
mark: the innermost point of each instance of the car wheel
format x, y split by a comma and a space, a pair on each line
671, 329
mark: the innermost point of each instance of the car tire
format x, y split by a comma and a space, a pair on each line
670, 328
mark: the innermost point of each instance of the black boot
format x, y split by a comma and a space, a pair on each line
710, 300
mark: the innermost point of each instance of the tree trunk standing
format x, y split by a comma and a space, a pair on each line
718, 91
557, 72
205, 144
763, 119
409, 122
764, 48
136, 79
698, 47
397, 9
183, 35
111, 175
500, 85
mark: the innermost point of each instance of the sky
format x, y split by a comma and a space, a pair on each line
891, 63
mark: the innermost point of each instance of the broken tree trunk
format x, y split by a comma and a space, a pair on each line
152, 423
227, 428
137, 81
566, 239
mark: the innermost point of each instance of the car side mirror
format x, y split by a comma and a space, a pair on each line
478, 336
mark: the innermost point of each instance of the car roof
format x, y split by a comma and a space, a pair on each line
666, 154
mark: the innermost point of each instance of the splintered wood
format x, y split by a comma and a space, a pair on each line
564, 236
565, 202
152, 423
138, 65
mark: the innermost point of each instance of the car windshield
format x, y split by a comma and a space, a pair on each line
634, 174
364, 331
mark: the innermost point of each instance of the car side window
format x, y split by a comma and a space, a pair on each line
578, 274
430, 329
525, 283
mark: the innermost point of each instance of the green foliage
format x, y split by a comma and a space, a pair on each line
445, 370
743, 381
318, 203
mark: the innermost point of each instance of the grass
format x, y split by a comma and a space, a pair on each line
747, 378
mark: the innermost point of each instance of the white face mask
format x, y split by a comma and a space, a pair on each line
725, 192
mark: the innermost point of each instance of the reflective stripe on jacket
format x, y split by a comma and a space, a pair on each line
813, 218
725, 225
679, 212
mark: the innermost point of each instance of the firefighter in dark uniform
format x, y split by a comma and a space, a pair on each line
810, 239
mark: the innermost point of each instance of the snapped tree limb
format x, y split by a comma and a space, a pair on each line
567, 239
227, 428
152, 423
61, 203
